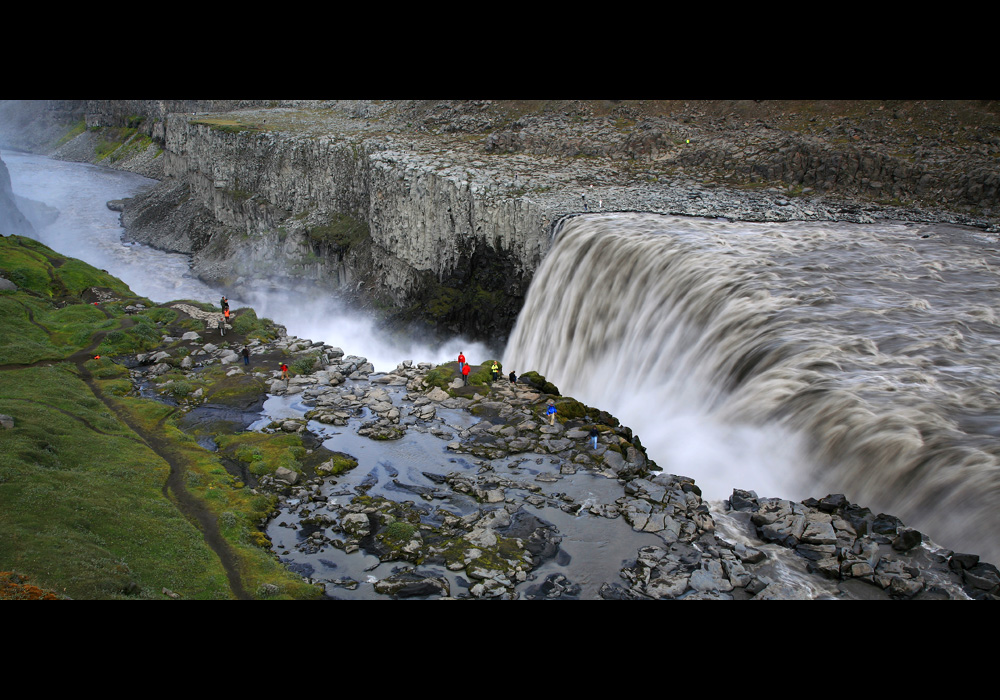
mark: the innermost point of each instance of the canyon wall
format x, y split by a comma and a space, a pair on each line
346, 211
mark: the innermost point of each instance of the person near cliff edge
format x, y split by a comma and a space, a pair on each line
465, 374
495, 369
551, 411
461, 361
593, 437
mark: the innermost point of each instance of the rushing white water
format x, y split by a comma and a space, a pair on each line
80, 224
794, 359
85, 228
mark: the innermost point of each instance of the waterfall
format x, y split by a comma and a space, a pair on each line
795, 360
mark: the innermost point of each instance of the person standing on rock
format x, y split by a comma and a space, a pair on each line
465, 373
246, 355
551, 411
284, 371
495, 370
593, 436
461, 361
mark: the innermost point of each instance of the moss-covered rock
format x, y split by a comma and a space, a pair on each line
238, 391
539, 382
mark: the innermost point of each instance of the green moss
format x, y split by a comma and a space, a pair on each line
398, 532
342, 233
441, 302
239, 390
264, 453
484, 374
118, 143
104, 368
342, 463
74, 131
306, 364
539, 382
570, 409
442, 376
246, 323
140, 337
180, 389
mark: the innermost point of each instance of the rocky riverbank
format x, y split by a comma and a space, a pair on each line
474, 519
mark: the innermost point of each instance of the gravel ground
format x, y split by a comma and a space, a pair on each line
854, 161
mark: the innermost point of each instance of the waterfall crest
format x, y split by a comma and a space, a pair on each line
771, 359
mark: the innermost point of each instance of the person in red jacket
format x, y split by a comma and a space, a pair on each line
465, 374
461, 361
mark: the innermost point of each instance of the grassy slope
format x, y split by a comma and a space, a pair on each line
85, 507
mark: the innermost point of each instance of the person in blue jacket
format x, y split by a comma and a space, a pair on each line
551, 411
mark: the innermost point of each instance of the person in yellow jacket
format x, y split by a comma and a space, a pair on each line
495, 370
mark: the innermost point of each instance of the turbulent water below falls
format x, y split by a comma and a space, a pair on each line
793, 359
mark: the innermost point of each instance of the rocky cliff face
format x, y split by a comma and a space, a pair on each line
353, 209
12, 221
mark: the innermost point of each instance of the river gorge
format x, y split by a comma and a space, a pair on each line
793, 354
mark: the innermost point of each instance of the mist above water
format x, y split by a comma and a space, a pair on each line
325, 319
77, 222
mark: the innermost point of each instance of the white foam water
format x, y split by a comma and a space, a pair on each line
794, 359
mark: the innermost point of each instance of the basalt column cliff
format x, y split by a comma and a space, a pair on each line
260, 198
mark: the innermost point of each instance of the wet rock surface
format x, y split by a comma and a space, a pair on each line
455, 491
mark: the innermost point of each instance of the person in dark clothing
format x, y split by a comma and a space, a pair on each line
246, 355
512, 377
593, 436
